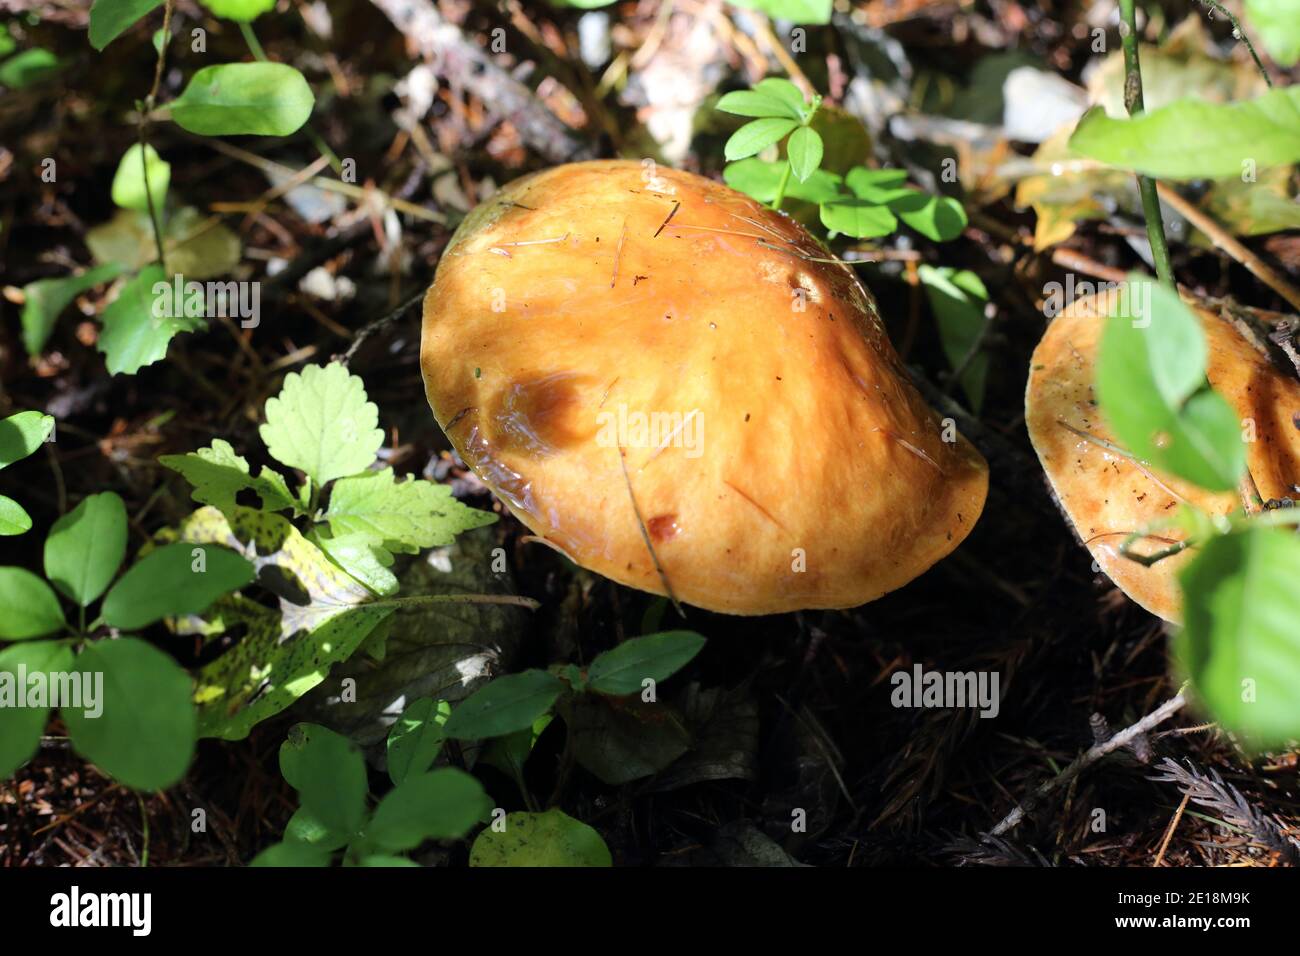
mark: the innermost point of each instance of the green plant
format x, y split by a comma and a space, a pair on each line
261, 99
864, 203
20, 435
1239, 643
326, 546
126, 704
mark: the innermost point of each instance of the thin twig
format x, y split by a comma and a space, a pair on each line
1229, 244
1088, 758
380, 323
1239, 33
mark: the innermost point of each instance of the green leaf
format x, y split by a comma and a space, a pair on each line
509, 753
401, 516
28, 607
958, 299
14, 518
129, 180
359, 556
655, 657
134, 335
860, 218
329, 773
779, 88
438, 805
323, 617
796, 11
754, 103
1194, 139
21, 726
144, 734
218, 475
303, 827
22, 434
109, 19
1239, 641
416, 738
877, 185
245, 10
1278, 26
760, 179
505, 705
86, 546
322, 423
29, 68
180, 578
45, 299
255, 99
1152, 390
940, 218
756, 136
291, 853
196, 248
552, 838
380, 859
805, 152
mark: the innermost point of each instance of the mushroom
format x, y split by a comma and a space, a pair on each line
682, 391
1105, 494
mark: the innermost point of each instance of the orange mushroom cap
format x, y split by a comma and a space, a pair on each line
1106, 495
682, 391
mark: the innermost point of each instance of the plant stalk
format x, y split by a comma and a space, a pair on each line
1134, 103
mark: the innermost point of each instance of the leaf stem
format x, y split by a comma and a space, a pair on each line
781, 186
142, 133
1134, 103
1238, 33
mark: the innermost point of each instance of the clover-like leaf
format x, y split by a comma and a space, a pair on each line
28, 607
176, 579
86, 546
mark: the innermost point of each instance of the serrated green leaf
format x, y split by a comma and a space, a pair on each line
322, 423
404, 516
174, 580
507, 704
45, 299
623, 669
134, 335
21, 726
86, 546
21, 434
1194, 139
1239, 643
28, 606
804, 149
129, 180
361, 557
329, 773
218, 475
545, 839
756, 136
109, 19
255, 99
438, 805
144, 736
